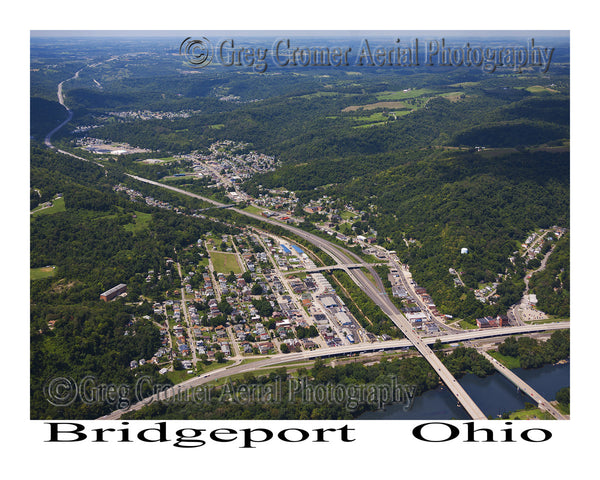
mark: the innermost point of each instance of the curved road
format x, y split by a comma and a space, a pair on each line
61, 100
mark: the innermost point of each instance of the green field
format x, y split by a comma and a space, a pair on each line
401, 95
58, 205
42, 272
253, 209
140, 223
530, 414
508, 362
346, 215
225, 262
539, 89
466, 325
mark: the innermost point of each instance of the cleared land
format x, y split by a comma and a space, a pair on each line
374, 106
42, 272
403, 94
539, 88
58, 205
152, 161
140, 223
225, 262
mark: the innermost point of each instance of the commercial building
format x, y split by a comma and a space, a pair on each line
113, 292
490, 322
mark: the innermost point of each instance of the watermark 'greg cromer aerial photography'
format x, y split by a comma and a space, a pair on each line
412, 53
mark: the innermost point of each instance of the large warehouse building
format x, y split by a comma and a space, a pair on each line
113, 292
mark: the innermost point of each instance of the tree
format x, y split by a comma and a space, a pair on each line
220, 357
256, 289
247, 276
509, 347
563, 396
285, 348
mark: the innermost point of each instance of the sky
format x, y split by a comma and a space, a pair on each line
324, 33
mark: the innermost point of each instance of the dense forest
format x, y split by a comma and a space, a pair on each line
552, 285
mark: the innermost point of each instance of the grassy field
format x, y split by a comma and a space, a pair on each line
58, 205
453, 96
464, 84
42, 272
375, 106
508, 362
530, 414
400, 95
225, 262
253, 209
152, 161
140, 223
346, 215
539, 89
203, 262
466, 325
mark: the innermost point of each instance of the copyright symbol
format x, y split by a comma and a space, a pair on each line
198, 52
60, 391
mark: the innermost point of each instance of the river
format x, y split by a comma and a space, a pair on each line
493, 394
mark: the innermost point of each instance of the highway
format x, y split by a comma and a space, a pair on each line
378, 295
328, 352
61, 100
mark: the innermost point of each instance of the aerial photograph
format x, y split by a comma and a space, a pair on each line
299, 225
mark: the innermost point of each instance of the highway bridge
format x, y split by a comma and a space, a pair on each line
361, 348
337, 266
542, 403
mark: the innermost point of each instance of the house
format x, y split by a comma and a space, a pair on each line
225, 348
186, 364
264, 347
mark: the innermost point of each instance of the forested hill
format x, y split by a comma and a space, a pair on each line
96, 241
447, 159
488, 204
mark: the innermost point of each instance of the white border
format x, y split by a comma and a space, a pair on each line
381, 449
